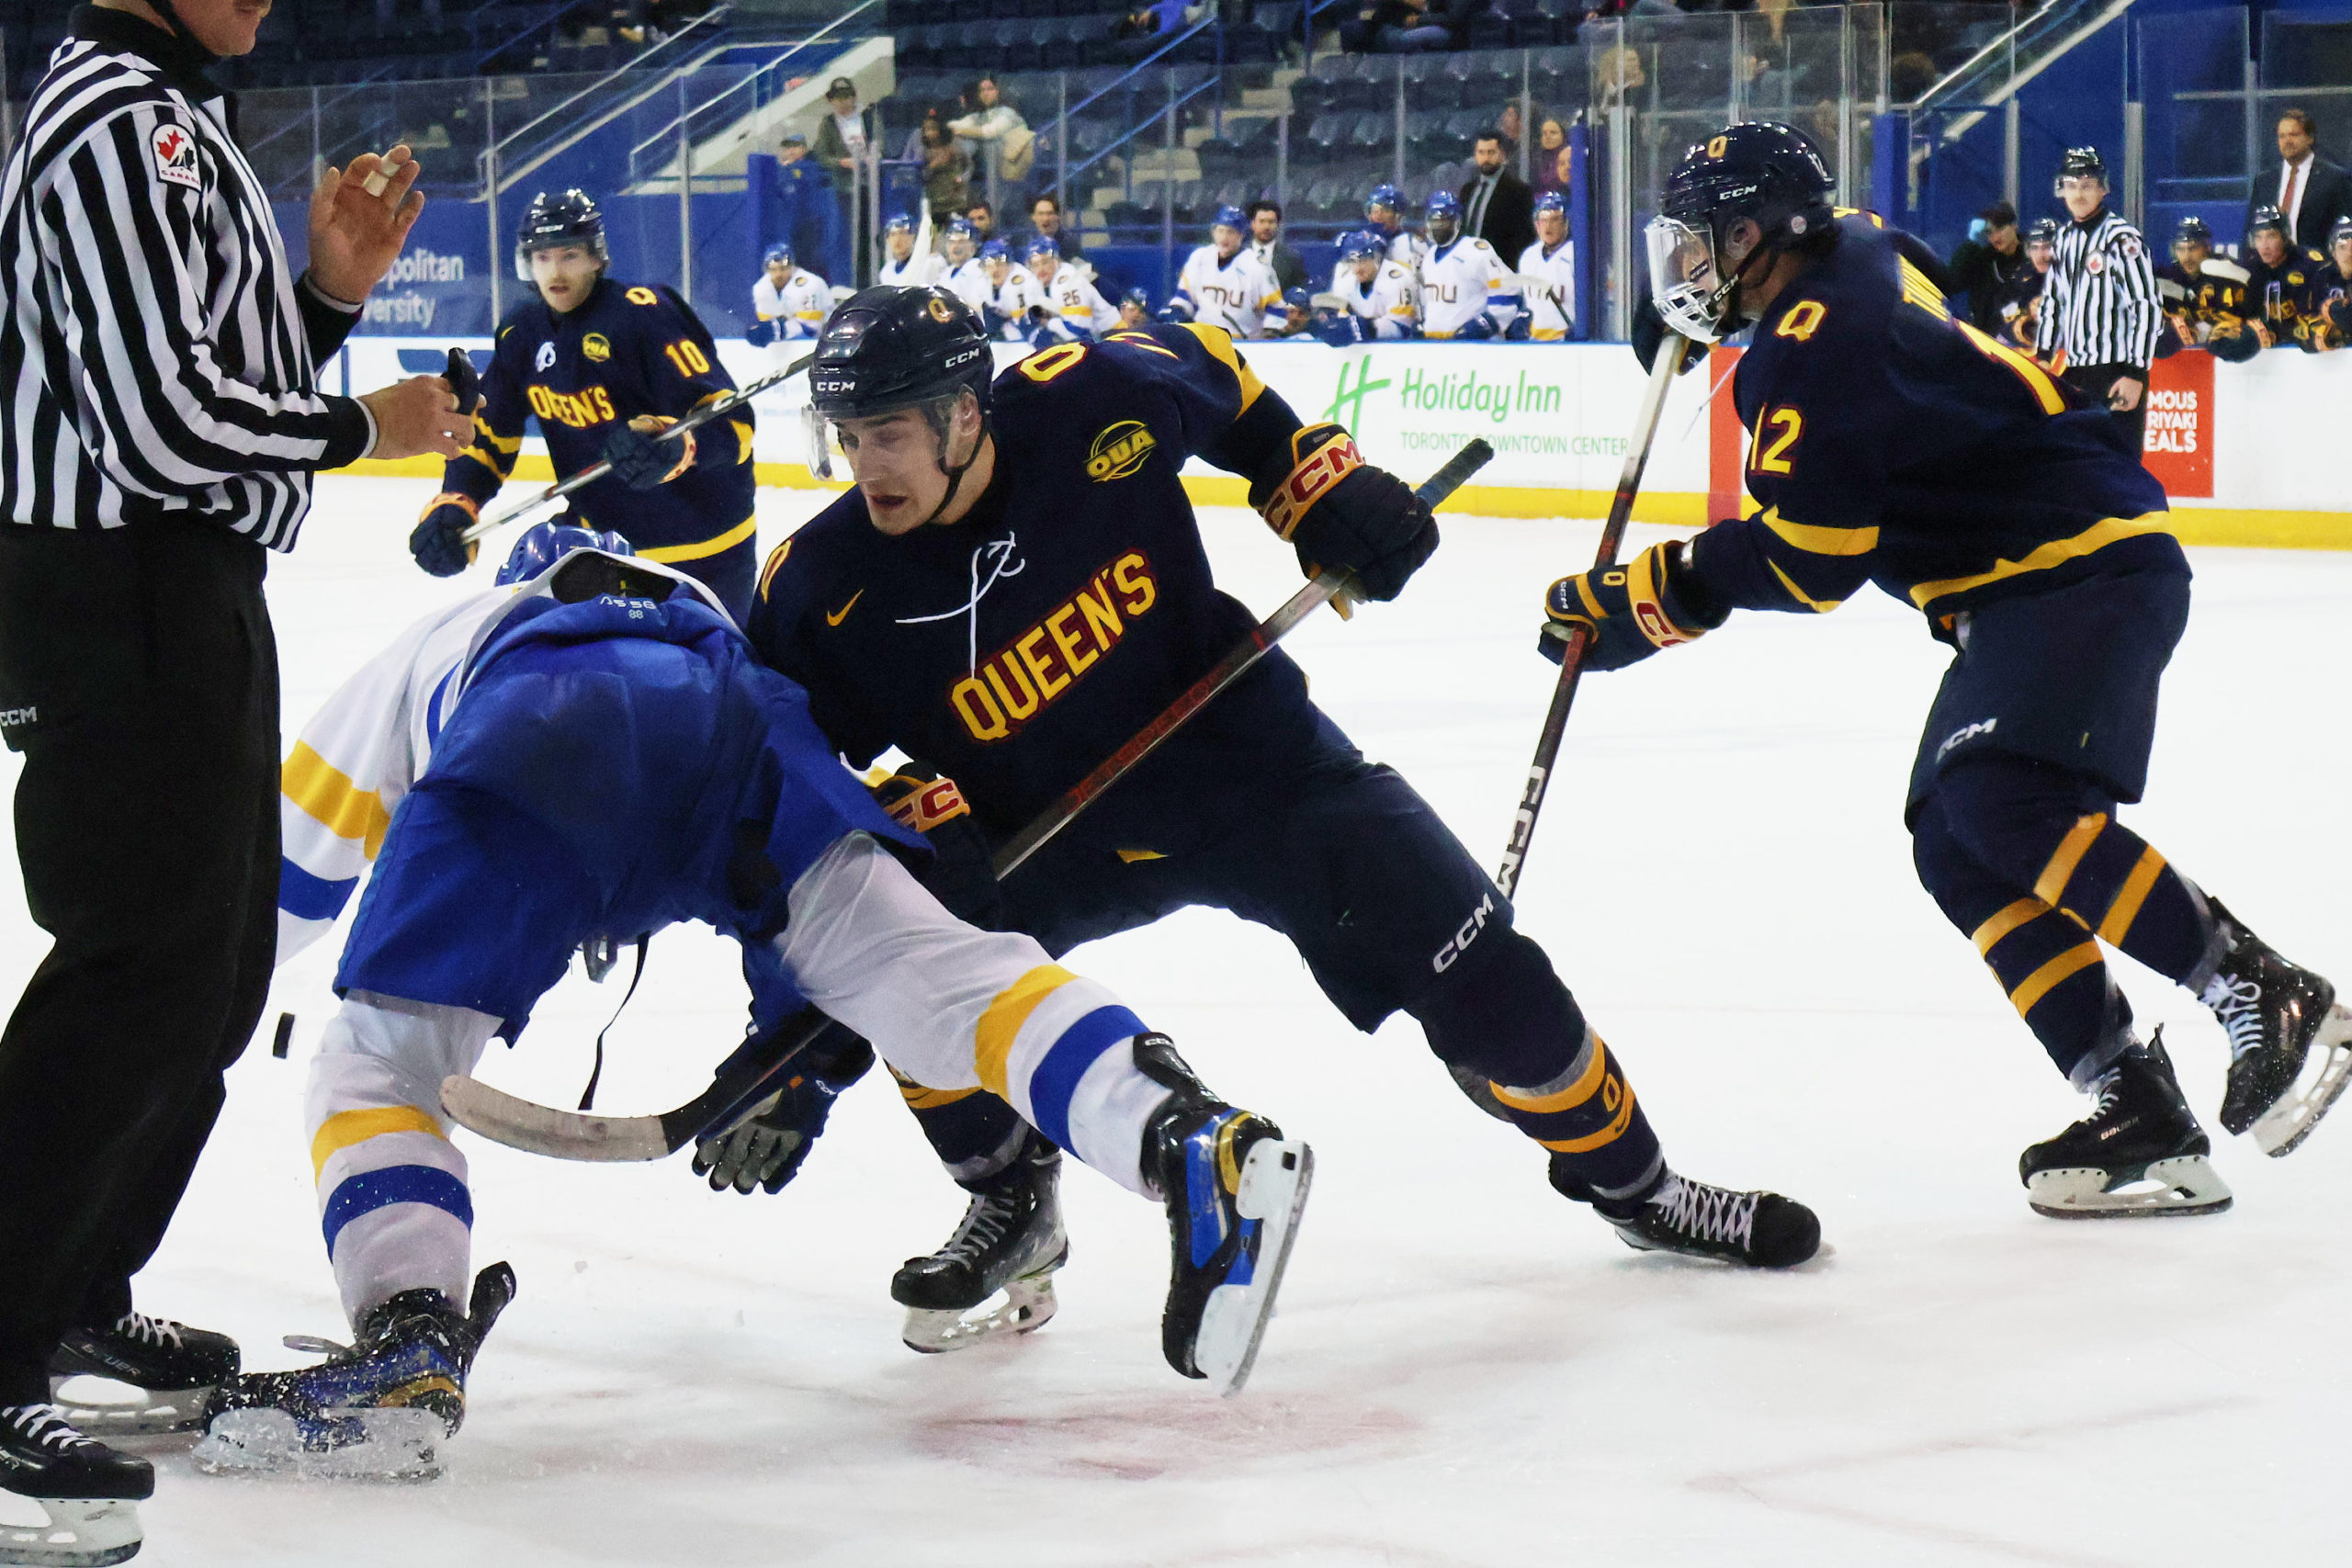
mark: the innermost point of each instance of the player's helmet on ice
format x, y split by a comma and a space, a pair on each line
2268, 217
1442, 215
555, 220
544, 544
886, 349
1758, 175
778, 254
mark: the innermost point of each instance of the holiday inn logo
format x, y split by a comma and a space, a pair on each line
1493, 400
1347, 404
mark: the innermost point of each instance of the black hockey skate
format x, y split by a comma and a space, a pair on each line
2274, 1014
173, 1368
90, 1492
381, 1409
2139, 1154
1760, 1230
1011, 1241
1233, 1187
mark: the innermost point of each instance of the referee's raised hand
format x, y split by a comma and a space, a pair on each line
418, 416
356, 237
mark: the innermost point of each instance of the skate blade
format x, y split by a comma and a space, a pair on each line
2280, 1130
2187, 1185
353, 1445
1024, 1306
1274, 1180
82, 1532
145, 1412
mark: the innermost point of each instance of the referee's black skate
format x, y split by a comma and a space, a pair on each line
173, 1367
2139, 1154
1010, 1242
380, 1409
1761, 1230
90, 1492
1233, 1187
2275, 1013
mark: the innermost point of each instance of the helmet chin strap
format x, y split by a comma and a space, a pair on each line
955, 474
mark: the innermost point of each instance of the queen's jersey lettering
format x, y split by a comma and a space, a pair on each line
1043, 662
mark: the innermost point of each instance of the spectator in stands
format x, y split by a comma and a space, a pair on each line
944, 171
994, 130
982, 218
911, 152
1395, 27
1552, 159
1137, 33
2310, 192
1046, 219
845, 149
1266, 241
1988, 265
1910, 74
1617, 76
1497, 205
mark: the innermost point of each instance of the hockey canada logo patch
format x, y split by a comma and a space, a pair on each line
175, 152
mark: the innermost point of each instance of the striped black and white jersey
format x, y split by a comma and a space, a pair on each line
157, 355
2098, 300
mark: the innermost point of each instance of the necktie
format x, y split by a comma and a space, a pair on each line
2287, 202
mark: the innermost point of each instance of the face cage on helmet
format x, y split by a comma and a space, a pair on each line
1689, 287
526, 249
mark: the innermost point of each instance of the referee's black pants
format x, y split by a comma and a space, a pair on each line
2097, 381
139, 678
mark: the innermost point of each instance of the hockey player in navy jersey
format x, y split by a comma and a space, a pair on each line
1018, 583
594, 753
606, 366
1893, 442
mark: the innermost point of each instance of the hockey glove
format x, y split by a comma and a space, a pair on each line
771, 330
1630, 611
438, 541
1342, 515
1478, 329
1521, 329
640, 460
1648, 331
1341, 329
959, 875
768, 1149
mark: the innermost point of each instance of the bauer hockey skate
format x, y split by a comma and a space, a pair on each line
2276, 1015
1761, 1230
1233, 1187
381, 1409
1010, 1243
90, 1492
2139, 1154
172, 1369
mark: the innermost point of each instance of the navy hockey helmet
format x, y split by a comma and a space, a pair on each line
1761, 172
2080, 164
777, 254
2041, 231
886, 349
544, 544
1297, 299
2339, 231
554, 220
2268, 217
1361, 245
1138, 296
2191, 230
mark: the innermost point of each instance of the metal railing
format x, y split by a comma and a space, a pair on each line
679, 132
503, 167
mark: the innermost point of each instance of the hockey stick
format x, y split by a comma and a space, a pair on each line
598, 469
754, 1072
1613, 539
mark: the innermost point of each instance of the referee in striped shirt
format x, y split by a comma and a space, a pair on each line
2099, 306
160, 422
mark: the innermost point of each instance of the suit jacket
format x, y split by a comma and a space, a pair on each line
1509, 222
2327, 196
1289, 271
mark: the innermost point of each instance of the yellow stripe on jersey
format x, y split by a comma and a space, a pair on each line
919, 1098
1819, 607
1219, 343
1919, 291
1814, 539
2040, 984
775, 559
1587, 1084
1988, 935
330, 797
728, 540
2090, 541
345, 1128
482, 432
1000, 1024
2051, 885
1609, 1134
2037, 379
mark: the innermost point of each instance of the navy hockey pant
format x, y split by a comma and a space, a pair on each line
139, 675
1390, 913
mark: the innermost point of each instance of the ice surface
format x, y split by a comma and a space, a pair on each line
1466, 1370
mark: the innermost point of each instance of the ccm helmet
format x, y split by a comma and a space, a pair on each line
553, 221
1759, 172
886, 349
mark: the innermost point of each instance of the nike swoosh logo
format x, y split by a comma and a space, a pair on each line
835, 618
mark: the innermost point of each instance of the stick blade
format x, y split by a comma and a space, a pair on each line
559, 1135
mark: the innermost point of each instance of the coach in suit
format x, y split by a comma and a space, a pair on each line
2310, 192
1497, 205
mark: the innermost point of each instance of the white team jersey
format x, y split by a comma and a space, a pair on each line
1547, 285
1235, 295
364, 749
1012, 299
804, 302
969, 283
1072, 303
1456, 281
920, 270
1390, 302
1404, 248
